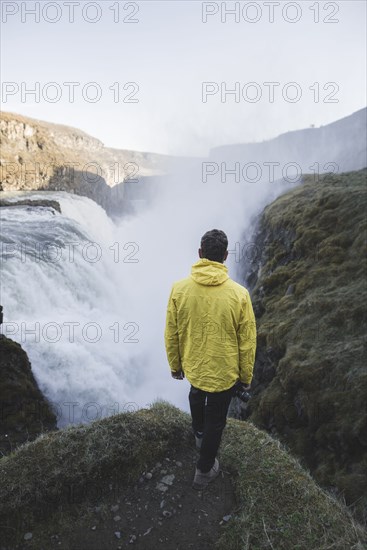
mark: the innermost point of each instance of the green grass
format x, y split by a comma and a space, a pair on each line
279, 504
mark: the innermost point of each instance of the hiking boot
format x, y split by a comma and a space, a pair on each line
198, 439
201, 480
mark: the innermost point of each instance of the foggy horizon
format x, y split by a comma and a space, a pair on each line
197, 75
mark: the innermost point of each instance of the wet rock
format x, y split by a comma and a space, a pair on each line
25, 411
33, 203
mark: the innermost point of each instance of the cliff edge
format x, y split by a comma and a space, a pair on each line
308, 284
100, 486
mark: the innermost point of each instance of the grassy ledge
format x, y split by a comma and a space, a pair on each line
279, 505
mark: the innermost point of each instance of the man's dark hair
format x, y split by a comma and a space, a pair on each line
213, 245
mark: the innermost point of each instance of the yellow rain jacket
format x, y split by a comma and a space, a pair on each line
210, 328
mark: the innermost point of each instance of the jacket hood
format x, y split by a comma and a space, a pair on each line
209, 273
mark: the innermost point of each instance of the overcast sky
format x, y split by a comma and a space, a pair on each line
166, 52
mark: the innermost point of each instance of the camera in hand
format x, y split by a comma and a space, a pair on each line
241, 393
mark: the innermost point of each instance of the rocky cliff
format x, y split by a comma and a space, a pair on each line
37, 155
309, 292
336, 147
25, 413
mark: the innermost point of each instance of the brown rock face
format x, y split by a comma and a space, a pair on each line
37, 155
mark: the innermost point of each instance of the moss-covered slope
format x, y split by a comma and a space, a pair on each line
309, 293
279, 505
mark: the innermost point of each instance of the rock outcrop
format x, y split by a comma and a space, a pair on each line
308, 287
43, 203
25, 412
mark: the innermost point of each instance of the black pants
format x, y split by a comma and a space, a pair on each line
209, 415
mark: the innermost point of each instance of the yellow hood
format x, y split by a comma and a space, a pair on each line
209, 273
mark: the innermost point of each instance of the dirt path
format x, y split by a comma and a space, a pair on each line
160, 511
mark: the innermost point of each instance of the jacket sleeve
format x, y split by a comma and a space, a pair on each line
171, 336
246, 336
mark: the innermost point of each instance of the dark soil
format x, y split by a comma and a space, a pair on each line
150, 514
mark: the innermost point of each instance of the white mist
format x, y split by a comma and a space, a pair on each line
91, 317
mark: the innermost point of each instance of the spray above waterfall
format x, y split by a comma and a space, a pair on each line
86, 296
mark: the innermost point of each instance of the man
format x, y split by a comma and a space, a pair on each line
210, 338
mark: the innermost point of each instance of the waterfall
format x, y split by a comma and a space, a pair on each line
86, 295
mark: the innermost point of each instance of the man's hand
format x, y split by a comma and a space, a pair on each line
246, 387
179, 375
